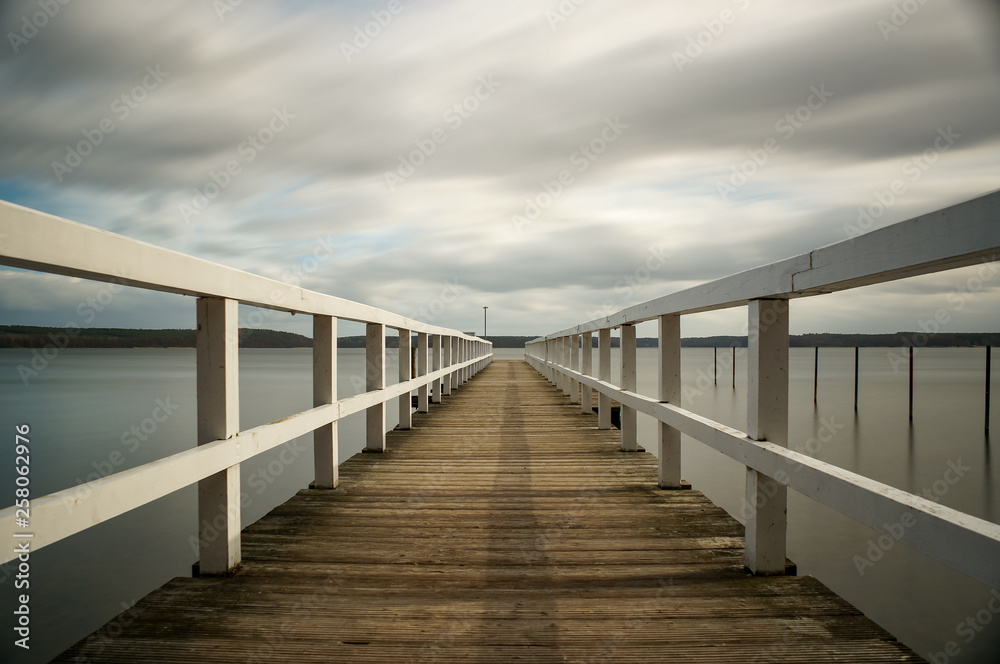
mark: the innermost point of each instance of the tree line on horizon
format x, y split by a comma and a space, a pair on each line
26, 336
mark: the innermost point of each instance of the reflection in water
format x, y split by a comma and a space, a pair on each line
917, 599
911, 458
989, 507
82, 404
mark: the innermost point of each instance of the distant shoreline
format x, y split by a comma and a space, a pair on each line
25, 336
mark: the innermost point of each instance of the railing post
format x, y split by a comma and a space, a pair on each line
547, 357
670, 392
989, 379
554, 352
554, 358
423, 392
587, 369
564, 360
446, 362
604, 374
375, 373
557, 351
767, 419
629, 441
405, 402
218, 419
438, 383
325, 450
574, 364
456, 345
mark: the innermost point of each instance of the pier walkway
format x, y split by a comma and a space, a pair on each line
504, 526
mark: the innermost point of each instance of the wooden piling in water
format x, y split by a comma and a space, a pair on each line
856, 377
715, 365
911, 383
497, 529
815, 374
734, 367
989, 359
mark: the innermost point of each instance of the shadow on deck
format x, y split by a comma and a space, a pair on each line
504, 526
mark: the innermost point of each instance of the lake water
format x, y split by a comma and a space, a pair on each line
83, 406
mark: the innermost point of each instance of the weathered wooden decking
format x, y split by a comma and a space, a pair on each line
504, 527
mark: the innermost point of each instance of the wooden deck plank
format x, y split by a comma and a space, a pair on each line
503, 527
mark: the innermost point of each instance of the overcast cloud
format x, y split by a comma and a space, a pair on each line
417, 154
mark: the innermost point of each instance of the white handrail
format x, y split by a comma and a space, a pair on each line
37, 241
42, 242
67, 512
960, 235
967, 543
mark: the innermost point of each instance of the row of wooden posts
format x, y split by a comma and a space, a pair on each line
857, 364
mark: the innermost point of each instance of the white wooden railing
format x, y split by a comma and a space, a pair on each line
42, 242
961, 235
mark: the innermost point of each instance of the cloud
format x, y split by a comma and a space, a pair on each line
277, 125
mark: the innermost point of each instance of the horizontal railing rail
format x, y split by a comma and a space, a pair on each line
957, 236
42, 242
446, 358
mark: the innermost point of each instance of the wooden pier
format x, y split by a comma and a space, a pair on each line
503, 527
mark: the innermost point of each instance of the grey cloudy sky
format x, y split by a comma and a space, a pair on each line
549, 159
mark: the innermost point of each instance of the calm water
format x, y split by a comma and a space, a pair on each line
83, 406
